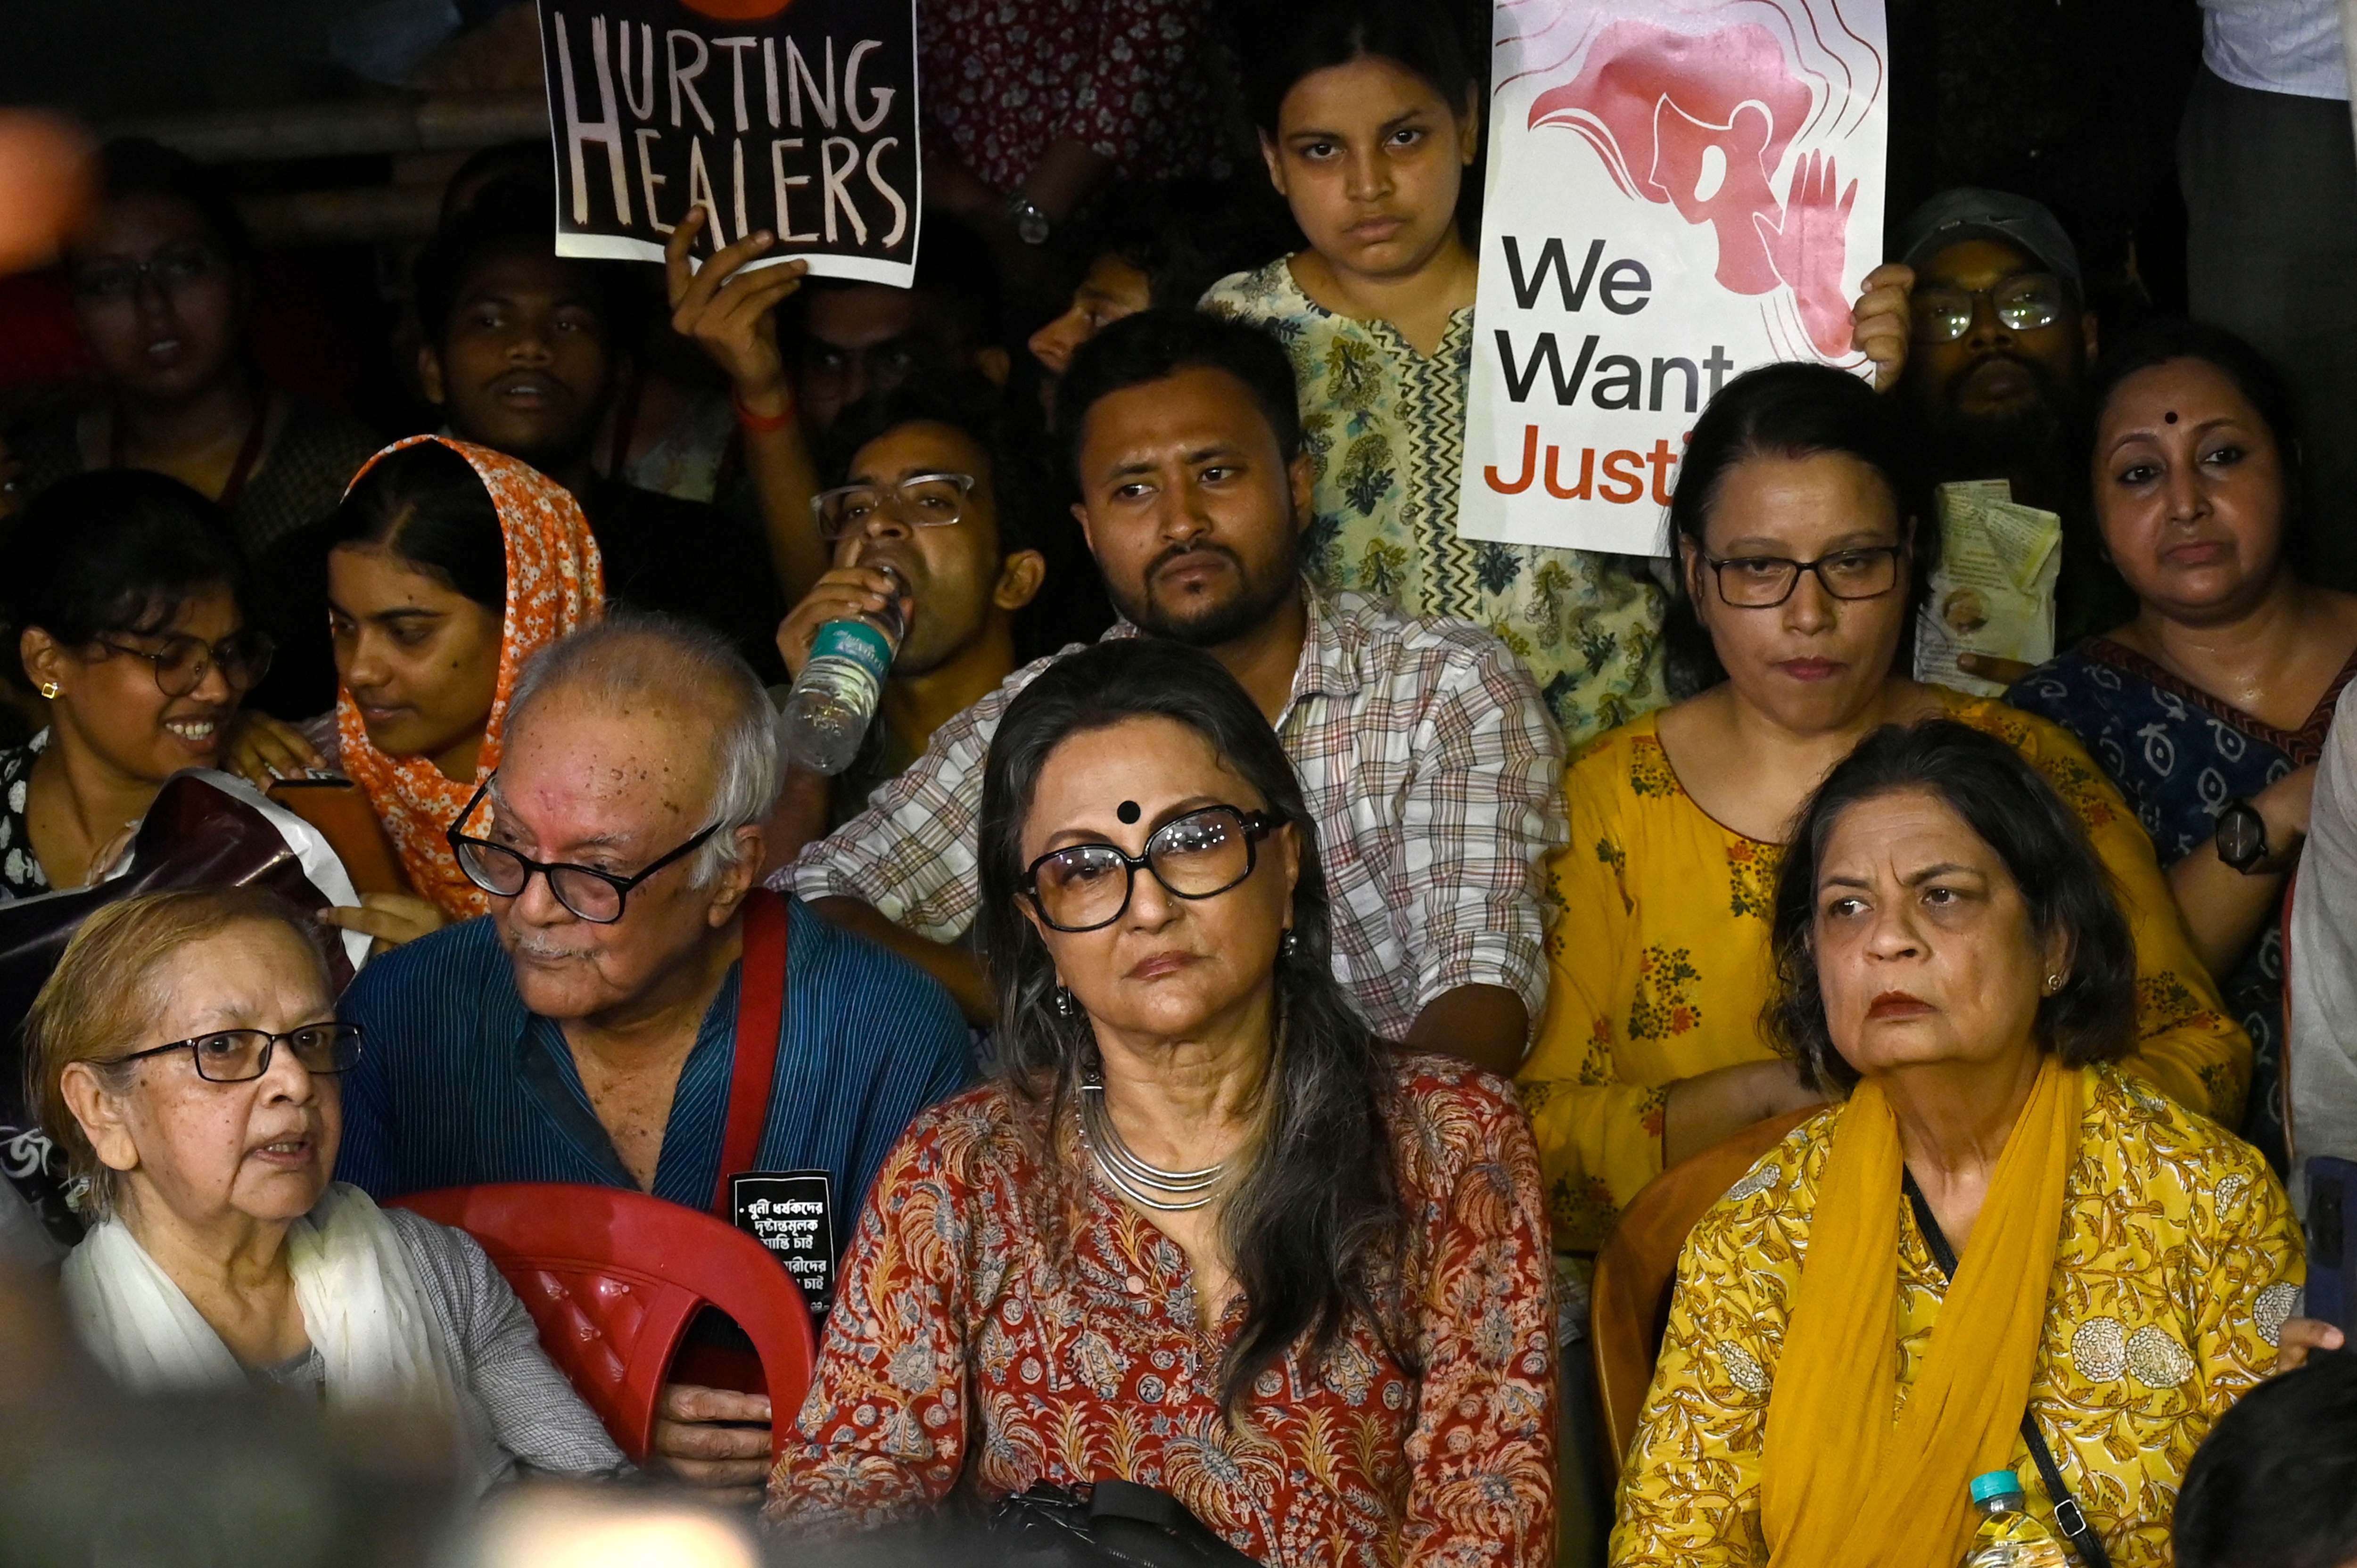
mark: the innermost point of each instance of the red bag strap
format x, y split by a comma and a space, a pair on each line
761, 1010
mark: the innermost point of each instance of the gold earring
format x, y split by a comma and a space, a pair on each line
50, 689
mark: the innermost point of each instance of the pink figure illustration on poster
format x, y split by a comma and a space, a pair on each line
1701, 112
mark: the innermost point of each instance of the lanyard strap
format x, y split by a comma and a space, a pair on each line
760, 1011
2067, 1513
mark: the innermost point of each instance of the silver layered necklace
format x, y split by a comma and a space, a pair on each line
1170, 1192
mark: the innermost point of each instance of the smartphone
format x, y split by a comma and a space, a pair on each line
2332, 1246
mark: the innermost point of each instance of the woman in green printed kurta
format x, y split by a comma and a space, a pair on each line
1368, 118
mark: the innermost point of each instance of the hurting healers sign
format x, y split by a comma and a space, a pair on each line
1677, 192
797, 116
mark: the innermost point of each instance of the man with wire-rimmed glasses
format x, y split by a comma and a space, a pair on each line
933, 512
630, 986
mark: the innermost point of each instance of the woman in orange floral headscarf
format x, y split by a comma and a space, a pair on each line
449, 565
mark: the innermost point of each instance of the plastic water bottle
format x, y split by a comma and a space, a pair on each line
834, 699
2009, 1537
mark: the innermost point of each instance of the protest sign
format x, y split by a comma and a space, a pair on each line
796, 116
1677, 192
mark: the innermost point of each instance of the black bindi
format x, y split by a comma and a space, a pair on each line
2171, 416
1129, 811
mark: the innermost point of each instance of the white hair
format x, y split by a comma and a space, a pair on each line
682, 668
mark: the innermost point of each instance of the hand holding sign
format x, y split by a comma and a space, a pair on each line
733, 314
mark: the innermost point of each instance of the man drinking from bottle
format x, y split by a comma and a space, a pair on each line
932, 515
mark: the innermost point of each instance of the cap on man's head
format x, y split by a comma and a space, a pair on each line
1967, 212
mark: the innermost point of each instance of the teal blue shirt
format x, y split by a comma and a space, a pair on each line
459, 1083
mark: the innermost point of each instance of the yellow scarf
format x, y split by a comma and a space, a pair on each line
1842, 1484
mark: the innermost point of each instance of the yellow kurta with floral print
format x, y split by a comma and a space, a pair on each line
1660, 961
1385, 427
2177, 1265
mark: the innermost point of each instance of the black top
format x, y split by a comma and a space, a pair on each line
684, 558
302, 476
692, 559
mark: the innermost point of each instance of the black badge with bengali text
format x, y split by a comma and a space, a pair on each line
792, 1214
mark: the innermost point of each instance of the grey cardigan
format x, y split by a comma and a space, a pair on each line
518, 1416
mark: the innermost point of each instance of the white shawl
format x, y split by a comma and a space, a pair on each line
361, 1298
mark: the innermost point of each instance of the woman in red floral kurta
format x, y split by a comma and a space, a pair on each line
1009, 1316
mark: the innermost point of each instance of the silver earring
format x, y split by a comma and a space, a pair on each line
1289, 944
2054, 984
1066, 1004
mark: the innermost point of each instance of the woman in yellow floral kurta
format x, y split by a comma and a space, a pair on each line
2184, 1263
1996, 1250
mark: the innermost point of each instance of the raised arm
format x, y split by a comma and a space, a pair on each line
733, 317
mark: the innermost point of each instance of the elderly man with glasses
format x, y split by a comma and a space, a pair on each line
630, 986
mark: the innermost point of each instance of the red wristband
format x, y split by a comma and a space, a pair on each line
762, 424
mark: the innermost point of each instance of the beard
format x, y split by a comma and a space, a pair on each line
1206, 620
2028, 428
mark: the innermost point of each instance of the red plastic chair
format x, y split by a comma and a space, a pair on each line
612, 1278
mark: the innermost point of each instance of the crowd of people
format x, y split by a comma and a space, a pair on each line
1264, 942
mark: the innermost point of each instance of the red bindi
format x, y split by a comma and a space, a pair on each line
2171, 416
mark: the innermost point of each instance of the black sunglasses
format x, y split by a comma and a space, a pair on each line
593, 895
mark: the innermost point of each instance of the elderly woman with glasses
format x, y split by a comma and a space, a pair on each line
1803, 530
187, 1059
2002, 1251
123, 595
1205, 1232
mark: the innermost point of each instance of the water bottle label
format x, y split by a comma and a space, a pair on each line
857, 642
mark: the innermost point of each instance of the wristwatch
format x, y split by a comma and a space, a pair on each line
2242, 837
1031, 224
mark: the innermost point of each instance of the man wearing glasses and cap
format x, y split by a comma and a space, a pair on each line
1981, 327
631, 992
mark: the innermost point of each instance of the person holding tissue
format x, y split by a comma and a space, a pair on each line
1981, 331
2209, 708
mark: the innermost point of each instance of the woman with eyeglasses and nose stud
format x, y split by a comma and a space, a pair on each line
123, 594
1204, 1231
163, 285
1803, 530
186, 1058
449, 565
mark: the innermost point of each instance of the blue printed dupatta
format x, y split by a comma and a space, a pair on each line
2179, 755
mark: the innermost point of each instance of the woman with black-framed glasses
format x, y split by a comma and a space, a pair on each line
187, 1062
122, 601
1200, 1181
1800, 523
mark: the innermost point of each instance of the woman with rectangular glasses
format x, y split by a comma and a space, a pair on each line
1802, 532
185, 1057
1205, 1232
121, 598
